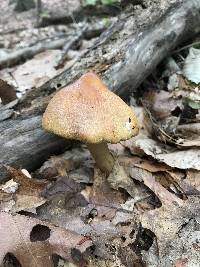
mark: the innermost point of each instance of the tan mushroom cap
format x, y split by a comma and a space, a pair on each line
87, 111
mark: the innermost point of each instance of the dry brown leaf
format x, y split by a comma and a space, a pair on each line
55, 166
184, 84
105, 200
37, 71
33, 242
189, 135
182, 159
193, 178
7, 92
6, 201
118, 178
187, 183
181, 262
149, 179
175, 228
28, 193
167, 177
68, 188
146, 164
26, 184
161, 103
167, 109
63, 164
117, 149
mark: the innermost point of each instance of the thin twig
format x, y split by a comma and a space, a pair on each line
14, 57
185, 47
68, 45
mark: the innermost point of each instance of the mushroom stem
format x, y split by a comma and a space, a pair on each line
103, 157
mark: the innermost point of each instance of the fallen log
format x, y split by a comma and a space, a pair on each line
127, 52
123, 56
24, 144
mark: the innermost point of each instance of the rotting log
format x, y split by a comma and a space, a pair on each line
129, 50
24, 144
123, 56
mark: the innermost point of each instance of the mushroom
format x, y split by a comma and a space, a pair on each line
89, 112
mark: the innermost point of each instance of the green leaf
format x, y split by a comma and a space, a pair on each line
191, 68
193, 104
90, 2
106, 22
109, 2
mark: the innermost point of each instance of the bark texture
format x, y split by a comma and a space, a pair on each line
24, 144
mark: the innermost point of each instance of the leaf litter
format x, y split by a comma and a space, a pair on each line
22, 192
145, 214
34, 242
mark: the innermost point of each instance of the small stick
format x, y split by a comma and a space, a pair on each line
39, 11
68, 45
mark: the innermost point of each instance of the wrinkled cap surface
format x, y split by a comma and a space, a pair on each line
87, 111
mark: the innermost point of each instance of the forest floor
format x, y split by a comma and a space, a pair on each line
66, 212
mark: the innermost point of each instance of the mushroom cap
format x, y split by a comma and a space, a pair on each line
87, 111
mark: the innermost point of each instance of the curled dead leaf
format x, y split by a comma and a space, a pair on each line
150, 180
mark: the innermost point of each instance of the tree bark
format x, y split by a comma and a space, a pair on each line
24, 144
